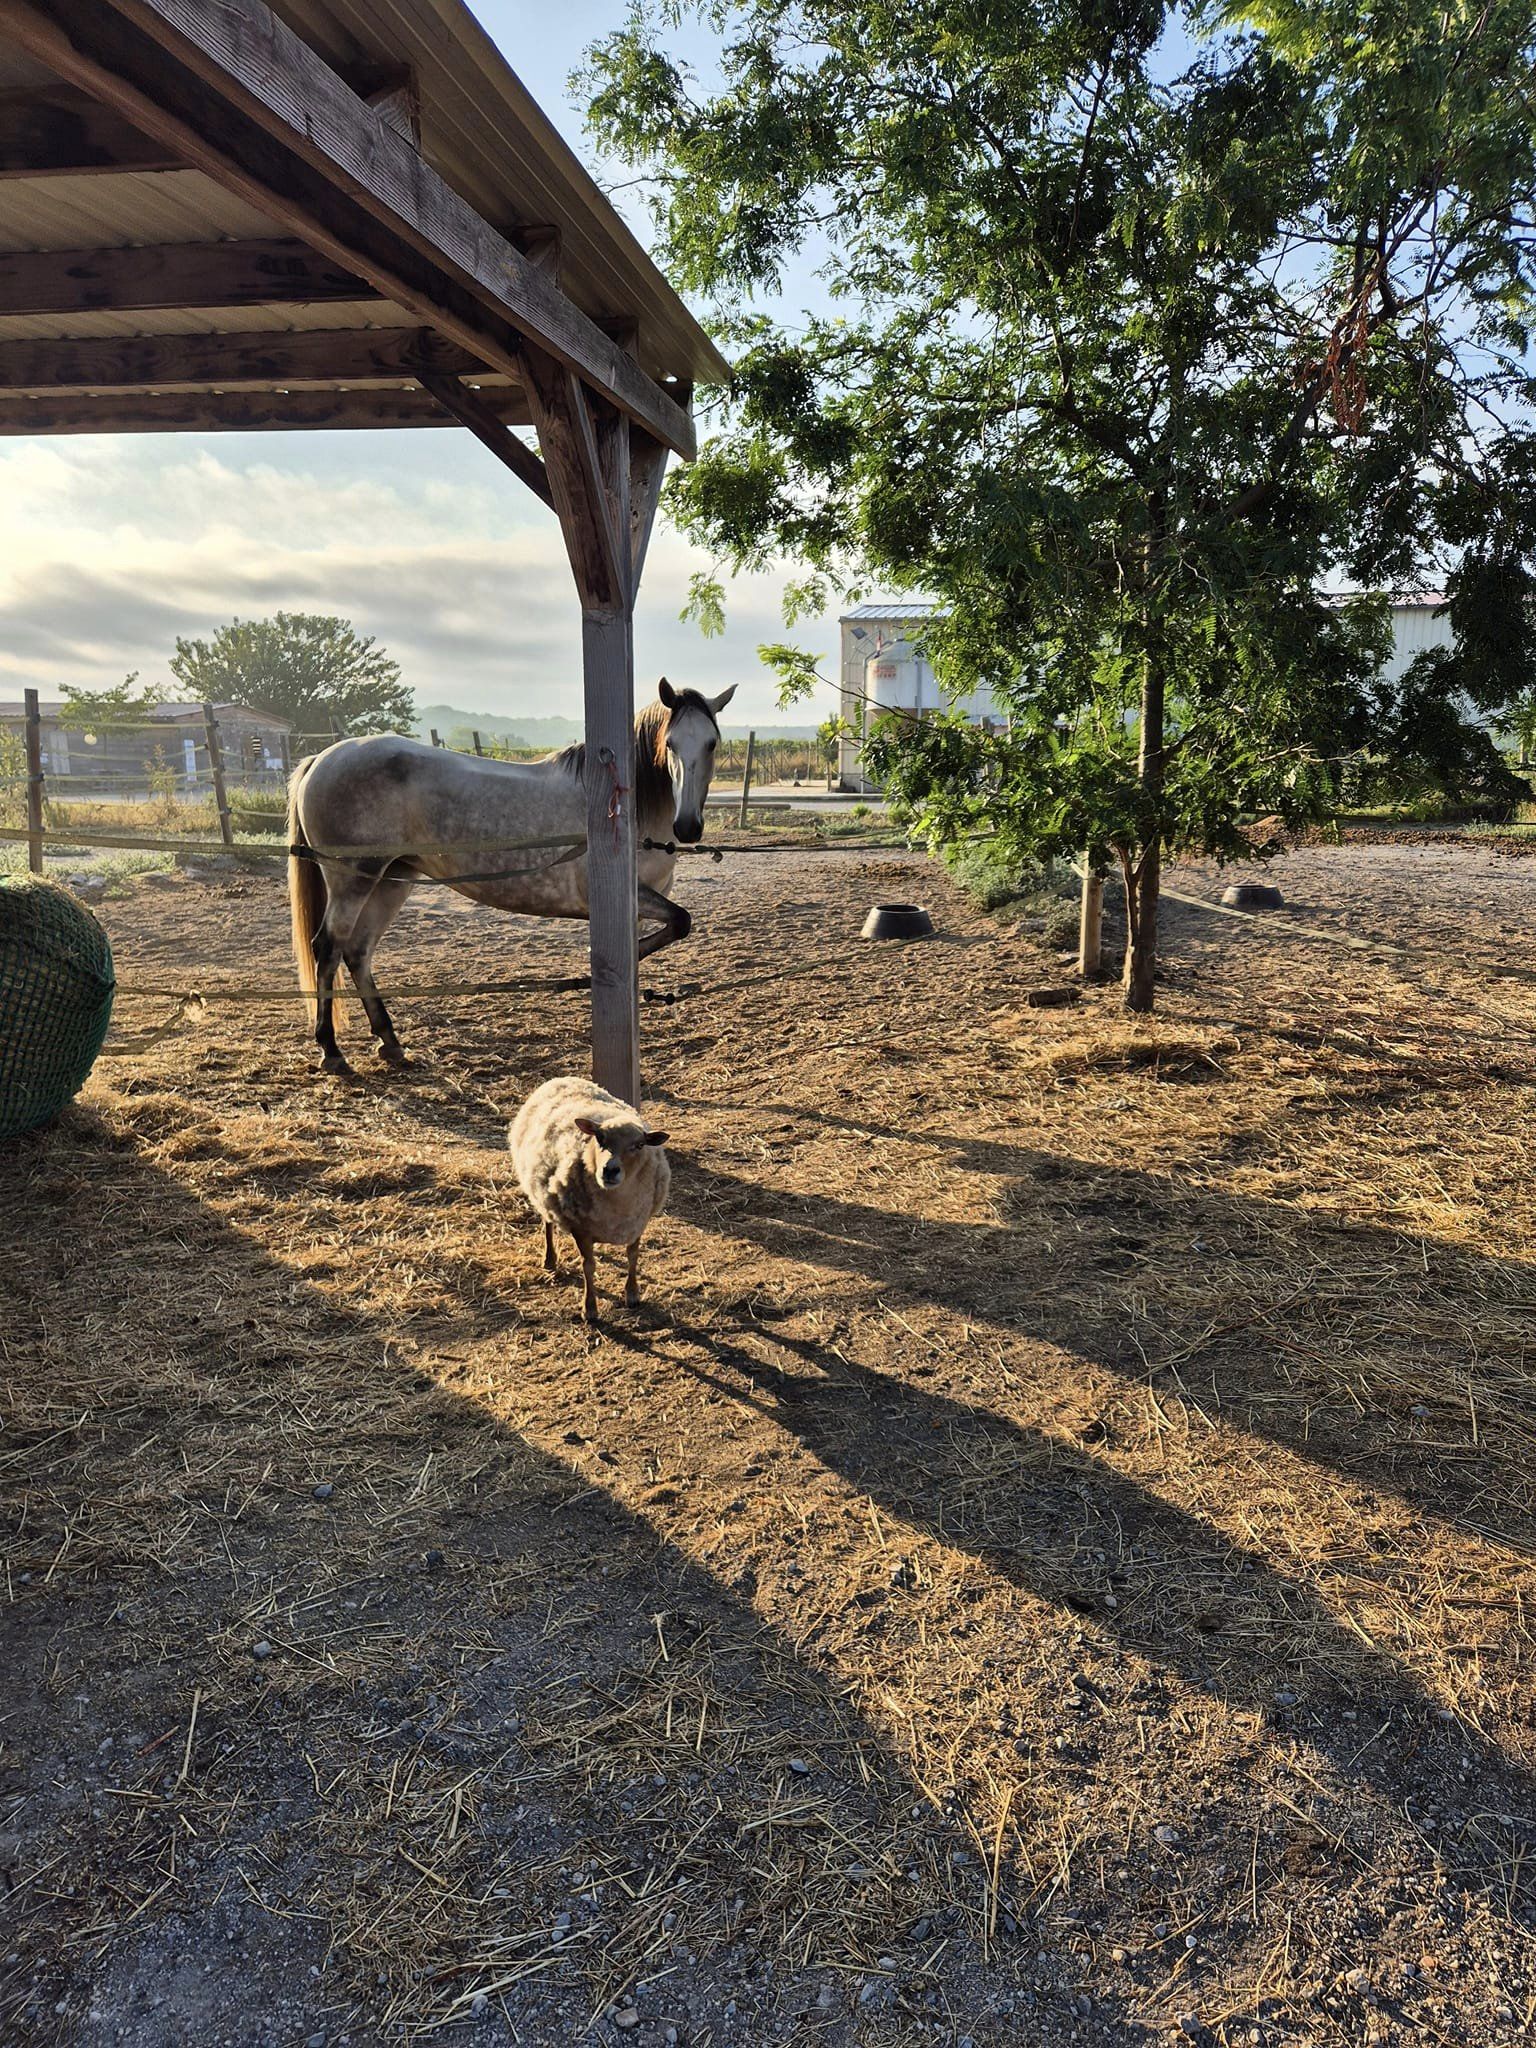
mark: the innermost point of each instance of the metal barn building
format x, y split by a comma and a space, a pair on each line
882, 666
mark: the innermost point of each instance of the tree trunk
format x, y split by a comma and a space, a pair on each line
1143, 886
1143, 879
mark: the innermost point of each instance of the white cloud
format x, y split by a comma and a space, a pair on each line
110, 548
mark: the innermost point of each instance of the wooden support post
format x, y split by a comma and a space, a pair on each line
216, 763
436, 740
476, 738
602, 487
608, 677
285, 753
746, 775
1090, 931
34, 784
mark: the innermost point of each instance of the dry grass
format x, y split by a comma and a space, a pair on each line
1052, 1559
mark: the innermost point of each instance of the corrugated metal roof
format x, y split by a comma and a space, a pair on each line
481, 131
893, 613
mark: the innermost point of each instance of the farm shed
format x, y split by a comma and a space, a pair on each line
216, 214
882, 667
253, 741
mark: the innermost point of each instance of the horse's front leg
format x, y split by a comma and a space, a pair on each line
673, 921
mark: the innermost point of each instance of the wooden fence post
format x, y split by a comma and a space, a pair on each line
1091, 929
216, 763
436, 740
34, 784
746, 776
476, 738
285, 753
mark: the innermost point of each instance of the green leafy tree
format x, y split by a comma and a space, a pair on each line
1150, 323
301, 666
116, 704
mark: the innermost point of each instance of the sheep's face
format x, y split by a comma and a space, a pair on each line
613, 1150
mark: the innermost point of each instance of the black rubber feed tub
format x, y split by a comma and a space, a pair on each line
897, 921
1252, 896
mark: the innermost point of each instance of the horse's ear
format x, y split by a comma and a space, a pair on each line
666, 693
719, 703
655, 1137
585, 1123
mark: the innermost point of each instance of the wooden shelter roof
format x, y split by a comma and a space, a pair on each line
349, 213
80, 180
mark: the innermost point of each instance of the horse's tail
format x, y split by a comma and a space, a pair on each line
306, 887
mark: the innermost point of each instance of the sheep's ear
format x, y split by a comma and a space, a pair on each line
666, 693
655, 1137
585, 1123
719, 703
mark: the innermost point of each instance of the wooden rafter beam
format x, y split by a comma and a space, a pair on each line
62, 133
164, 361
172, 275
230, 88
579, 471
647, 473
232, 412
476, 411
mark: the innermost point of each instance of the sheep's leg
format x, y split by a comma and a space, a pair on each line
551, 1256
588, 1280
675, 922
632, 1278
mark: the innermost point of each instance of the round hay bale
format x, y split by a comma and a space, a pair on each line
56, 985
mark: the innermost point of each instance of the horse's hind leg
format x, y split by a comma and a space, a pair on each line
375, 917
348, 895
327, 952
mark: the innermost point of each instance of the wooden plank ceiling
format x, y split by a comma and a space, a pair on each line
217, 216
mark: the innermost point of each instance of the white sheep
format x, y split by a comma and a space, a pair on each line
586, 1162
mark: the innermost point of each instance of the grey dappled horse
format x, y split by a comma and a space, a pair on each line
448, 813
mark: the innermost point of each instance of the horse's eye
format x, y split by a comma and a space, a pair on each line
711, 746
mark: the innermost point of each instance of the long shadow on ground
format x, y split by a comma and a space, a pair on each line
278, 1764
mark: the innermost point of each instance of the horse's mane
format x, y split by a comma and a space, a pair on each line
653, 779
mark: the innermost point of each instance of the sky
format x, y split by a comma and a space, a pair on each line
111, 546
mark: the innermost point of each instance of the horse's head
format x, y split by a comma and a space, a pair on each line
692, 734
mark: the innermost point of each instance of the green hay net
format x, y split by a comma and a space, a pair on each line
56, 986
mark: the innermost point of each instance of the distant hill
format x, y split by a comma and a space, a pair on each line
521, 732
558, 732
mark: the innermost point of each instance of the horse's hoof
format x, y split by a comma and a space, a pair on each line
631, 1297
394, 1056
337, 1063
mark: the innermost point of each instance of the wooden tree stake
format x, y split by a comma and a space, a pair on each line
746, 776
1090, 933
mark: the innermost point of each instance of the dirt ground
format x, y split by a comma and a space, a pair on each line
1050, 1562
